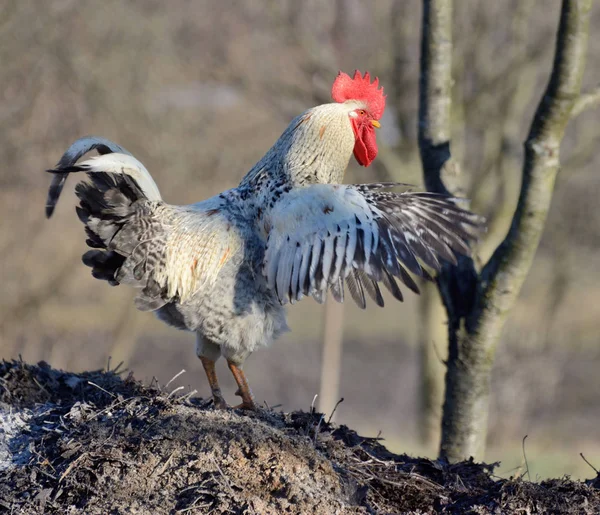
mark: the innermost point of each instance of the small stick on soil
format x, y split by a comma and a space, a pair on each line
525, 458
175, 391
312, 405
117, 370
593, 468
334, 408
41, 386
182, 371
228, 480
108, 408
386, 463
189, 395
160, 469
71, 467
100, 388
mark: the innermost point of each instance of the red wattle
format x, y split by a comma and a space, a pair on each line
365, 148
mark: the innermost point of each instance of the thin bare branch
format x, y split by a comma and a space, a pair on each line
505, 272
435, 97
586, 101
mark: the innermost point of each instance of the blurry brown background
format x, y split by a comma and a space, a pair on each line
198, 91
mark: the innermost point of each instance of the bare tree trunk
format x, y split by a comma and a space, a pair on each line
435, 100
478, 304
331, 362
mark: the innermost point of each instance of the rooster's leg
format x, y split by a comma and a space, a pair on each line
209, 353
211, 374
243, 387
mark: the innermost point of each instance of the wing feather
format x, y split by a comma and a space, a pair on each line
337, 289
327, 260
341, 242
303, 276
325, 234
294, 287
315, 264
392, 286
356, 290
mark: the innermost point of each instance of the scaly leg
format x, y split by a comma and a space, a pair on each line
243, 387
209, 353
211, 375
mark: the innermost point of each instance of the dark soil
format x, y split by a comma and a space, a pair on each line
97, 443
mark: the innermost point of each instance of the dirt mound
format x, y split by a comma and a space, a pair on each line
97, 443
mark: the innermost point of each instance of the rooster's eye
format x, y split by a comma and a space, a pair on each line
362, 112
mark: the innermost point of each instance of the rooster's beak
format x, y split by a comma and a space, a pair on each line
376, 124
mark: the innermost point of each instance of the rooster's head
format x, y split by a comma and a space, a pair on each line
369, 100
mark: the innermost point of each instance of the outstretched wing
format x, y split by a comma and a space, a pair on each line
325, 235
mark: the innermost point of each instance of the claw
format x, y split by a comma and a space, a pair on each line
211, 375
219, 403
243, 389
247, 406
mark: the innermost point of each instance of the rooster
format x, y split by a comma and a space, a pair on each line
225, 267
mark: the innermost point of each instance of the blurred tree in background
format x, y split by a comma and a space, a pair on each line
198, 91
478, 299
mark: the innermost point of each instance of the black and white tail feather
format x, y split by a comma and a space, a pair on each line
324, 236
116, 207
76, 151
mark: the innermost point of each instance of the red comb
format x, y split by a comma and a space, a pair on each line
359, 88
